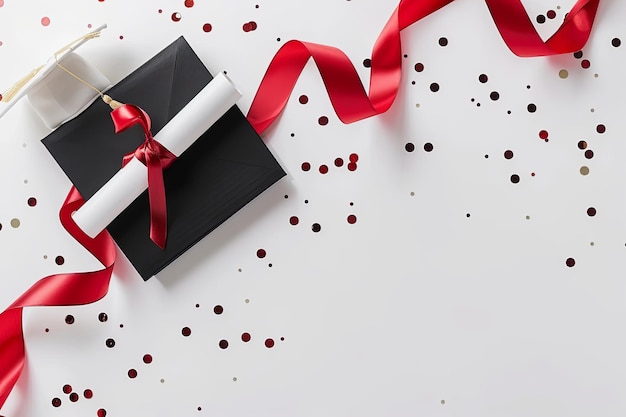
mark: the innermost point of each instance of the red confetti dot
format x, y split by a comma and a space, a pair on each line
428, 147
32, 201
160, 10
588, 154
338, 162
303, 99
56, 402
67, 388
253, 25
121, 37
543, 134
585, 63
186, 331
600, 128
306, 166
323, 169
102, 412
223, 344
352, 219
218, 309
293, 220
176, 17
508, 154
409, 147
269, 343
207, 27
316, 227
419, 67
483, 78
261, 253
59, 260
323, 121
132, 373
88, 394
352, 166
570, 262
73, 397
188, 3
591, 211
354, 157
69, 319
514, 178
45, 21
147, 358
1, 3
551, 14
246, 337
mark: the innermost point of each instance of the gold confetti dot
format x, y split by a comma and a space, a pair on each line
563, 73
412, 193
15, 223
592, 244
584, 170
417, 105
247, 301
527, 217
25, 181
596, 75
239, 270
443, 402
235, 379
592, 110
162, 381
45, 256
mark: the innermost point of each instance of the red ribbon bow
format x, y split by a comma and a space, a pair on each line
156, 158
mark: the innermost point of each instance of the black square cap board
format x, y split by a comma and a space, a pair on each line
226, 168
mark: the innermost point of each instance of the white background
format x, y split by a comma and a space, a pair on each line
416, 309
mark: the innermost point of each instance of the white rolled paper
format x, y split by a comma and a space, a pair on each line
179, 134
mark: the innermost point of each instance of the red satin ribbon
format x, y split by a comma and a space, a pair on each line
346, 92
54, 290
156, 158
350, 101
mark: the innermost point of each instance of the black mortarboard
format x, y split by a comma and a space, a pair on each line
221, 172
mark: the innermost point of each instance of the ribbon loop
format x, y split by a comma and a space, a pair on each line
156, 158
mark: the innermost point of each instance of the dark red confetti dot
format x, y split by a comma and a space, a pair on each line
102, 412
591, 211
253, 26
160, 10
245, 337
186, 331
352, 166
223, 344
218, 309
261, 253
67, 388
32, 202
582, 144
494, 95
47, 330
323, 169
570, 262
578, 54
323, 121
188, 3
73, 397
59, 260
428, 147
269, 343
600, 128
541, 19
434, 87
514, 178
419, 67
316, 227
543, 134
56, 402
551, 14
69, 319
303, 99
338, 162
409, 147
585, 63
443, 41
132, 373
147, 358
293, 220
531, 108
176, 17
306, 166
616, 42
483, 78
282, 339
110, 343
367, 63
103, 317
354, 158
351, 219
508, 154
88, 394
588, 154
207, 27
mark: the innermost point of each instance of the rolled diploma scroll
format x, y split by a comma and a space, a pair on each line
184, 129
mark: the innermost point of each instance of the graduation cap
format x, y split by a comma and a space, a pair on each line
222, 171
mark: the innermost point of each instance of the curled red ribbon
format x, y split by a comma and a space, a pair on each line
349, 100
156, 158
346, 92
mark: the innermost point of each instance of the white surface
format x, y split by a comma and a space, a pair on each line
177, 136
413, 304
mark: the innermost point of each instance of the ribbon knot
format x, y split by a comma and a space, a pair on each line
156, 158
